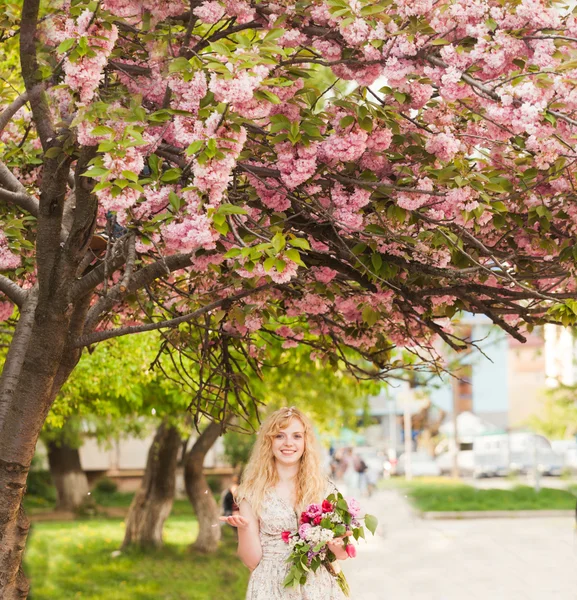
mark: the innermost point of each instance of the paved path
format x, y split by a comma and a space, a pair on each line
488, 559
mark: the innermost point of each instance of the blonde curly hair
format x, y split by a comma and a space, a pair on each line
260, 474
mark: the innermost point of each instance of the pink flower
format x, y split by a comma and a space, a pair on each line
6, 310
303, 529
354, 507
351, 550
209, 12
286, 536
8, 260
327, 506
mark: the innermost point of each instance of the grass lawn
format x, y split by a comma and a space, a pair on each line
70, 560
451, 496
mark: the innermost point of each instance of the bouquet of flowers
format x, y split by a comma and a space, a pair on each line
319, 524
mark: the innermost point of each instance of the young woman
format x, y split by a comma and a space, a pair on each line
281, 479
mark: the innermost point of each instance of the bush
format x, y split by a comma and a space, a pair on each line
39, 484
105, 485
215, 484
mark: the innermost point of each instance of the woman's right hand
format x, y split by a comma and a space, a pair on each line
236, 521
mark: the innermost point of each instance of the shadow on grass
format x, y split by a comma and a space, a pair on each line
70, 560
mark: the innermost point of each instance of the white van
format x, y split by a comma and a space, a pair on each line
498, 454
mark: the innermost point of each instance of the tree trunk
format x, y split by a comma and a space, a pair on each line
31, 378
199, 493
69, 478
153, 501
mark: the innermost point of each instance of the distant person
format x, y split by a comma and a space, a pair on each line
361, 468
228, 504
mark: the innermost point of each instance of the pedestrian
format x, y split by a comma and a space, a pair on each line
229, 505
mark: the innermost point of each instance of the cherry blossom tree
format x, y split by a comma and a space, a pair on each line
174, 165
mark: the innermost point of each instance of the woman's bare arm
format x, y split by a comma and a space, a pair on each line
246, 522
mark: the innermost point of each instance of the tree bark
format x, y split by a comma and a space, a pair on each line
199, 493
43, 360
153, 501
68, 477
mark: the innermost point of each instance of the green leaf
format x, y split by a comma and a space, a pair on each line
280, 265
102, 130
301, 243
346, 121
171, 175
175, 201
372, 10
295, 256
178, 65
269, 263
194, 147
371, 523
220, 48
232, 253
95, 172
130, 176
440, 42
377, 261
231, 209
370, 316
53, 152
278, 241
66, 45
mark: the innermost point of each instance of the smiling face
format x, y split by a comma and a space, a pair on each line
288, 445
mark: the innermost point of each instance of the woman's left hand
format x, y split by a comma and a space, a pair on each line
337, 546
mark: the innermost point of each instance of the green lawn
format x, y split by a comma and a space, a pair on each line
70, 560
427, 496
35, 505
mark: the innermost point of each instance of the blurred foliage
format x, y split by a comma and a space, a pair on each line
558, 419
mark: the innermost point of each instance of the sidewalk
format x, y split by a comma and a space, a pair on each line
489, 559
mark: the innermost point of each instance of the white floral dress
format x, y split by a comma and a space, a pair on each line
266, 581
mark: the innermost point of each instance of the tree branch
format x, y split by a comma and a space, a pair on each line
12, 291
29, 65
12, 109
20, 199
100, 336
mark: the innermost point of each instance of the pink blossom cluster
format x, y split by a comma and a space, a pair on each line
444, 145
214, 175
240, 9
85, 74
346, 147
323, 274
272, 194
296, 164
192, 233
311, 304
6, 310
119, 202
240, 88
133, 10
129, 159
188, 94
8, 260
413, 200
209, 12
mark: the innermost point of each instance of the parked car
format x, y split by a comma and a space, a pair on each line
422, 465
568, 450
465, 462
497, 455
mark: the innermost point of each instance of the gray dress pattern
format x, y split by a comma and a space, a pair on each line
266, 581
